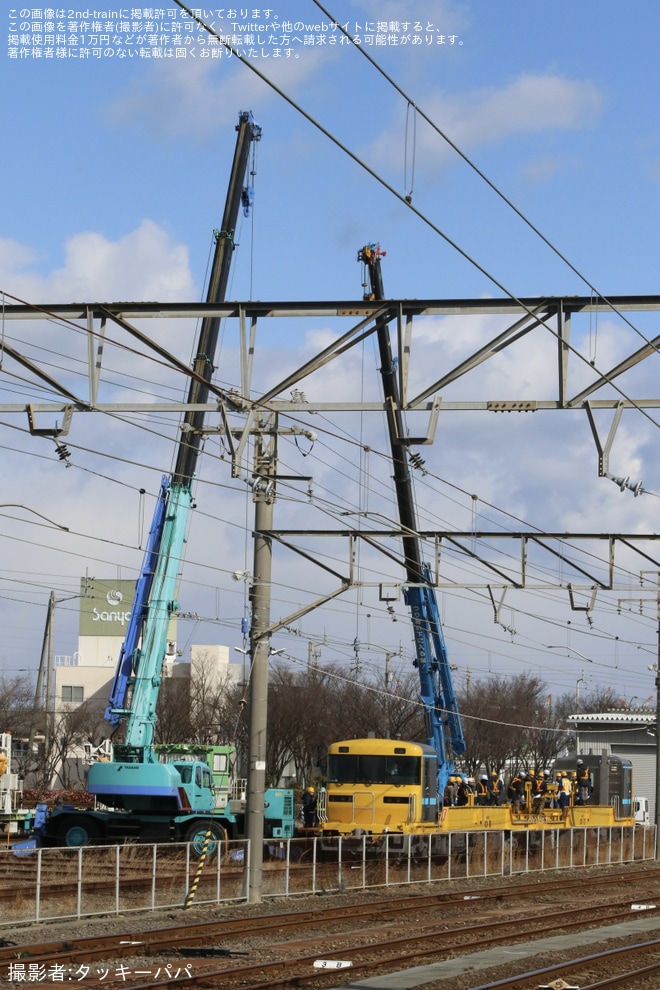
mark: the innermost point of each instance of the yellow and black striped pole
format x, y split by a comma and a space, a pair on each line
198, 873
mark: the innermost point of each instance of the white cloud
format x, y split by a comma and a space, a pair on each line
145, 263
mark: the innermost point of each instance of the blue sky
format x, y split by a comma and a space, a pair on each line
115, 173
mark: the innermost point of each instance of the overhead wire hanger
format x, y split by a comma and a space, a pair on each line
409, 194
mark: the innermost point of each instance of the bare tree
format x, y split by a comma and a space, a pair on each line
73, 726
511, 720
550, 734
17, 708
486, 709
402, 707
173, 723
314, 720
212, 703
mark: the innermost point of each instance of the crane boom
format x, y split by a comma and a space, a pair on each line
248, 132
442, 719
137, 682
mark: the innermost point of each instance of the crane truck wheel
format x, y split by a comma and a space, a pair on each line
196, 836
76, 830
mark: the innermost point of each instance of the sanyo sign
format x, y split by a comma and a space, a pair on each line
114, 598
105, 607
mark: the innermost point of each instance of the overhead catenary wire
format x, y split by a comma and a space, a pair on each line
482, 175
157, 469
415, 703
422, 216
80, 328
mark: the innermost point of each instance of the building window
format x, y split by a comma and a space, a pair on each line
73, 693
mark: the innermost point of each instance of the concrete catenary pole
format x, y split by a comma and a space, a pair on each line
657, 736
265, 465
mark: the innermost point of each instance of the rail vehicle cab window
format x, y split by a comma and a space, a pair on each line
360, 768
626, 787
220, 763
342, 768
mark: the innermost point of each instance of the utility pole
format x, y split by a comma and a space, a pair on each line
263, 494
657, 734
50, 678
41, 696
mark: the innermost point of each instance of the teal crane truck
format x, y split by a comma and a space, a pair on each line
143, 798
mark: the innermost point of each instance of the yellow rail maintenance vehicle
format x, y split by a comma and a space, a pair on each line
380, 786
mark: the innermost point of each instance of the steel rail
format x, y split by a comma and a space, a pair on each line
388, 951
376, 908
620, 979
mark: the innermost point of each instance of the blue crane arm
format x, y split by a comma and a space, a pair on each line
441, 715
139, 669
128, 654
162, 605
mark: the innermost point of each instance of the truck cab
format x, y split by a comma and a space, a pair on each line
197, 783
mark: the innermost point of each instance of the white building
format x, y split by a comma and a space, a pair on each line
104, 614
88, 673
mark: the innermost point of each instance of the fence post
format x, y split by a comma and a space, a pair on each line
37, 899
314, 840
153, 876
198, 873
288, 866
364, 862
79, 894
409, 848
387, 859
218, 870
117, 876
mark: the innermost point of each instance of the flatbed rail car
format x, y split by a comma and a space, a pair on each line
380, 786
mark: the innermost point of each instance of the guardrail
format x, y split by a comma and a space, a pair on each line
57, 884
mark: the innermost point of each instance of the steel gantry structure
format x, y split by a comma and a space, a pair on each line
250, 406
239, 409
553, 316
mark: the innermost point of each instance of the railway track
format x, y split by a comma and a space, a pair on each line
280, 950
643, 957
